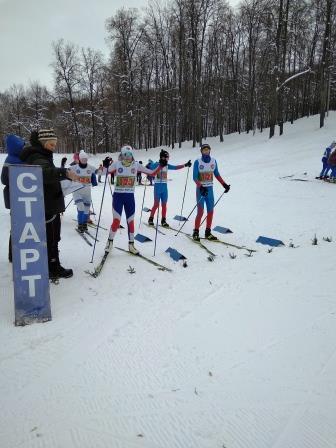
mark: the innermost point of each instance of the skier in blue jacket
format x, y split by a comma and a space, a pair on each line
160, 187
325, 165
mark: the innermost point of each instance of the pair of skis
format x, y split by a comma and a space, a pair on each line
97, 270
205, 239
93, 225
86, 235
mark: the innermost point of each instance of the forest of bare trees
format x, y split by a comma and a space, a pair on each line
186, 71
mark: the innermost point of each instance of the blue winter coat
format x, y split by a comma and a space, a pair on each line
14, 146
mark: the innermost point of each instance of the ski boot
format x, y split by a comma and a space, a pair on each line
164, 223
151, 221
109, 245
81, 228
133, 250
209, 236
195, 235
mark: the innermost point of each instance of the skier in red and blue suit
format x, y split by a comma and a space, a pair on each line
161, 188
204, 169
125, 171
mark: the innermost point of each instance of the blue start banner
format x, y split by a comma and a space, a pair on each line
30, 259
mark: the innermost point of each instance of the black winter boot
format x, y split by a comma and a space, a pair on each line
209, 236
151, 221
164, 222
195, 235
58, 271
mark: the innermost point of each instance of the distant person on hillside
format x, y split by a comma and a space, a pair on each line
205, 168
161, 188
75, 160
139, 177
14, 146
325, 160
150, 178
332, 164
100, 172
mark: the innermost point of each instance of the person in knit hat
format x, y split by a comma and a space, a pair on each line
43, 145
82, 196
14, 146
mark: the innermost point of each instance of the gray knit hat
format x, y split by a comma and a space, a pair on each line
45, 135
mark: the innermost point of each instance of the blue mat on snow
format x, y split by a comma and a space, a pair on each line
142, 238
180, 218
269, 241
222, 229
175, 255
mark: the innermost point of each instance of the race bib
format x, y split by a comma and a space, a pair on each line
206, 177
125, 181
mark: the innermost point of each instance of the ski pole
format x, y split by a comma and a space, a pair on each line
143, 200
189, 215
185, 188
68, 204
94, 213
156, 228
220, 197
101, 206
110, 187
72, 198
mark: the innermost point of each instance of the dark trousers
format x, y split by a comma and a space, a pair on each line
53, 233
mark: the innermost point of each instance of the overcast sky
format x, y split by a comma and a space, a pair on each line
28, 27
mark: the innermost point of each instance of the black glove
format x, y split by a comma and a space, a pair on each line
203, 191
226, 188
163, 162
106, 162
188, 164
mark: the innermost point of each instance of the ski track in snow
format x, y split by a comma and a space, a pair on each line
234, 353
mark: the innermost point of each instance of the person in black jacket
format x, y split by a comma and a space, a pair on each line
43, 145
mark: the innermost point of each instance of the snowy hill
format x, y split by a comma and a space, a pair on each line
234, 353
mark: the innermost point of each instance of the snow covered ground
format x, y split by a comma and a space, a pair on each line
235, 353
